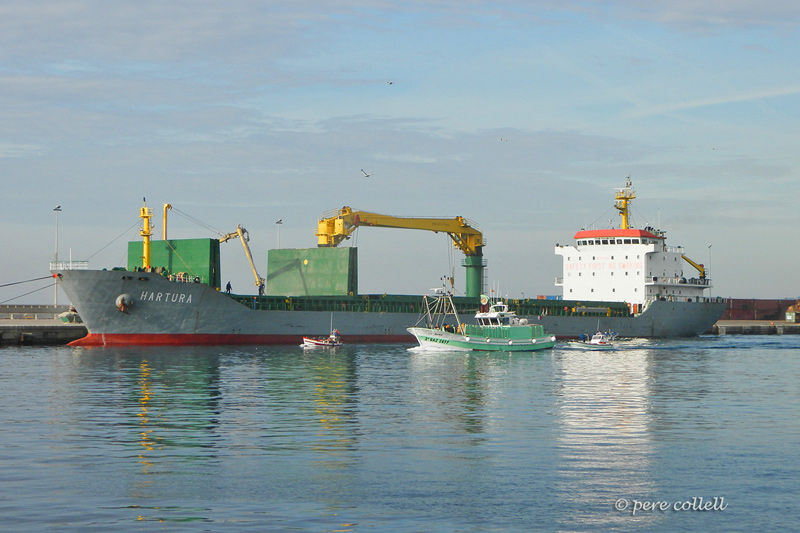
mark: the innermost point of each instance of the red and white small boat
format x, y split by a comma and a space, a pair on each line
333, 340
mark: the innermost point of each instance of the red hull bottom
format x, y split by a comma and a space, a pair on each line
165, 339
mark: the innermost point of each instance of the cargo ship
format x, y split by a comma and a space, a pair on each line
639, 280
623, 280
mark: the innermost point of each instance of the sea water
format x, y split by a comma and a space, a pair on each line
668, 435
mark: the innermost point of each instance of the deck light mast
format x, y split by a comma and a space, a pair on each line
146, 213
624, 197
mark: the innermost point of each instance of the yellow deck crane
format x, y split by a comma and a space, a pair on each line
699, 266
339, 225
242, 234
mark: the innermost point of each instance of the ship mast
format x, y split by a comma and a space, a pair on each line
145, 213
167, 207
624, 197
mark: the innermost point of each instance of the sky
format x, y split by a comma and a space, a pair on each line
520, 116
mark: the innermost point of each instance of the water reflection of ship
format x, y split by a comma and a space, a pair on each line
454, 390
605, 444
335, 406
178, 408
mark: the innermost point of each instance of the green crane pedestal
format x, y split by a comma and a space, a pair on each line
474, 265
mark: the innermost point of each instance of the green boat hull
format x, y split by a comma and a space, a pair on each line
493, 341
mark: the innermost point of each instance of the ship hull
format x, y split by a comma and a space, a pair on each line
141, 308
662, 318
163, 312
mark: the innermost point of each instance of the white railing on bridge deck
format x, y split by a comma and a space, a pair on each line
676, 298
69, 265
659, 280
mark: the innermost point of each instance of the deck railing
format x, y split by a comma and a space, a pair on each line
69, 265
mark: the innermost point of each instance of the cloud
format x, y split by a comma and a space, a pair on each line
8, 150
715, 13
761, 94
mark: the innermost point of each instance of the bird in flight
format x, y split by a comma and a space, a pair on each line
365, 174
389, 83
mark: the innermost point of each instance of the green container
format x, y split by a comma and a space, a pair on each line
313, 272
193, 258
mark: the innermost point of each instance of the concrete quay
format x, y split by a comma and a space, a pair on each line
37, 324
755, 327
39, 331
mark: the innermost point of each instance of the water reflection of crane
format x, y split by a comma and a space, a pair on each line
144, 415
177, 412
333, 395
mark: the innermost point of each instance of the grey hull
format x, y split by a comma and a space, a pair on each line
661, 319
159, 311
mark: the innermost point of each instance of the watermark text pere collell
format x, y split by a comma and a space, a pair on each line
696, 503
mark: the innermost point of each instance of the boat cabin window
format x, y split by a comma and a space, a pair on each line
627, 241
605, 241
493, 321
635, 241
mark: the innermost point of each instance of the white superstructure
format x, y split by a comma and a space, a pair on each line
628, 265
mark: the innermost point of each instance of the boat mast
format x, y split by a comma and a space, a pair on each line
145, 213
624, 197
